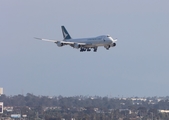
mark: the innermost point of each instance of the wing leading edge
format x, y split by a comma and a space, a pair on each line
61, 42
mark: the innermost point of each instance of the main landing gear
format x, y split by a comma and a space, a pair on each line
82, 49
88, 49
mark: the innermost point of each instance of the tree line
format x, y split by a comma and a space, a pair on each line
85, 107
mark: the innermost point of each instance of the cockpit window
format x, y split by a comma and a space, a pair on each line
108, 36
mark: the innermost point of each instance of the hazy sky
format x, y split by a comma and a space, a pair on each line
137, 66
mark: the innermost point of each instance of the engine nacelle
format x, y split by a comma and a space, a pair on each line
77, 46
59, 44
113, 45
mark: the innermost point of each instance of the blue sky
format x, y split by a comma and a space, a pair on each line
137, 66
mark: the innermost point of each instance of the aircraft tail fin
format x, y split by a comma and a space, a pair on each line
65, 33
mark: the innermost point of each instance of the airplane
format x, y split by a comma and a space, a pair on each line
84, 44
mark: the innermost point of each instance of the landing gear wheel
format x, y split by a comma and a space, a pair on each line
88, 49
95, 49
82, 49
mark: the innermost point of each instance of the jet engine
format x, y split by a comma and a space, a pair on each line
113, 45
59, 44
77, 46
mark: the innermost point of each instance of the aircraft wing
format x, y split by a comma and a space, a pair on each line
46, 40
72, 43
115, 40
64, 42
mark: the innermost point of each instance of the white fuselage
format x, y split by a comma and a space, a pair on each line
103, 40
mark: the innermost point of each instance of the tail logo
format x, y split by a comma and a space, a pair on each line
65, 35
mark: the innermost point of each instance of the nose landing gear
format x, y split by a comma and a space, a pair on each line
95, 49
107, 47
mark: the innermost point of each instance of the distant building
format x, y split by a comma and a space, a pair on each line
1, 91
16, 116
164, 111
8, 109
1, 107
125, 110
24, 116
